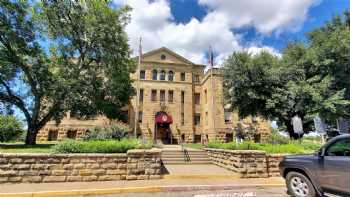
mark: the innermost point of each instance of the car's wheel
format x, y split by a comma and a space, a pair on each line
299, 185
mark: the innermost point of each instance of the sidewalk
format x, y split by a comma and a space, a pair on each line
112, 187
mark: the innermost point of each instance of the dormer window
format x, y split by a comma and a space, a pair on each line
162, 57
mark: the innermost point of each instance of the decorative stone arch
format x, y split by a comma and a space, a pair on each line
162, 131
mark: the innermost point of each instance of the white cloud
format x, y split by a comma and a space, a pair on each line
256, 50
265, 15
153, 21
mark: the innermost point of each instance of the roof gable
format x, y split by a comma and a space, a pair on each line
170, 57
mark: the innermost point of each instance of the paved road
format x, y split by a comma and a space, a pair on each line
246, 192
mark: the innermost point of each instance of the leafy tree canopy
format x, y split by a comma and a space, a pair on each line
309, 79
57, 56
10, 128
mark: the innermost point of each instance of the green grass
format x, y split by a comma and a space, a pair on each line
22, 148
293, 147
194, 145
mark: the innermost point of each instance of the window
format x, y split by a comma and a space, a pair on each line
162, 95
162, 75
197, 98
183, 76
171, 76
141, 95
206, 96
206, 118
154, 74
140, 116
53, 135
339, 148
142, 74
154, 95
171, 96
182, 119
182, 97
71, 134
162, 57
227, 115
196, 78
197, 119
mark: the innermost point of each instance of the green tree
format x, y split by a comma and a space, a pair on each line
83, 65
10, 128
280, 88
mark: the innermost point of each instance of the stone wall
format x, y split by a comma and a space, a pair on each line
135, 164
249, 163
273, 160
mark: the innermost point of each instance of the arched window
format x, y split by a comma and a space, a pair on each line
154, 74
171, 76
162, 75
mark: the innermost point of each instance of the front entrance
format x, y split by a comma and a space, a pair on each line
162, 131
164, 134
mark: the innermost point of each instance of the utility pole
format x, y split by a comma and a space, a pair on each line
137, 105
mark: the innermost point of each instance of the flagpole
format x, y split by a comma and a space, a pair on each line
138, 89
212, 87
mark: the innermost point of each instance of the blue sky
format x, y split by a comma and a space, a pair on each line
190, 26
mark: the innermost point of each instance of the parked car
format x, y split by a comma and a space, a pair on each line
328, 170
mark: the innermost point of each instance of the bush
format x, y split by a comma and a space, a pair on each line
10, 128
276, 138
114, 131
269, 148
94, 146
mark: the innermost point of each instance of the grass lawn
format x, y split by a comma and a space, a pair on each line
18, 147
292, 147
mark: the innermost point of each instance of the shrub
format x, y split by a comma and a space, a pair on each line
10, 128
269, 148
94, 146
276, 138
114, 131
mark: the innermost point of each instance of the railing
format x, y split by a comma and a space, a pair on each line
185, 152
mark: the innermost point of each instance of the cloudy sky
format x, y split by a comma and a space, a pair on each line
189, 27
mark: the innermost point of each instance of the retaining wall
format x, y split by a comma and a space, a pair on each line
136, 164
249, 163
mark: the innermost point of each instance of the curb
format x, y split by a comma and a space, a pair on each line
198, 176
150, 189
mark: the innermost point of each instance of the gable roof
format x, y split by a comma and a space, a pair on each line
164, 49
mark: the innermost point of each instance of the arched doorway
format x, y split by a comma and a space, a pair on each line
162, 128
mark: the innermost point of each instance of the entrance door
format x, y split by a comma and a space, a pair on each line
163, 134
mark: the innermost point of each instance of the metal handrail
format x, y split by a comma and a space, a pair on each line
185, 152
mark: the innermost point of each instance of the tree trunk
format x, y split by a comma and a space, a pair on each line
290, 130
31, 136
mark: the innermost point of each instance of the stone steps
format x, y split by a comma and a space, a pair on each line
179, 157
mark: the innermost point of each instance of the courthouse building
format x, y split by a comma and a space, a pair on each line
177, 101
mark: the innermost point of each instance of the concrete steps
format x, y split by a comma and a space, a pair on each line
190, 156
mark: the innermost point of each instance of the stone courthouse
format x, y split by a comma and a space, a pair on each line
177, 101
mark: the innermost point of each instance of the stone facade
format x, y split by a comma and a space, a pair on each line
34, 168
248, 163
183, 90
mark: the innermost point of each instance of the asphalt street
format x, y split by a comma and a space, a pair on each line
246, 192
